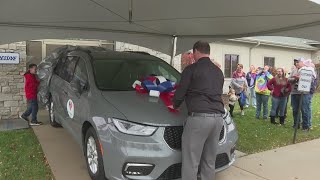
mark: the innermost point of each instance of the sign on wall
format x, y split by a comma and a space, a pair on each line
9, 58
305, 80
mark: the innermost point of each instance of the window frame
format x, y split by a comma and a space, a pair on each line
231, 64
64, 68
269, 58
57, 70
87, 85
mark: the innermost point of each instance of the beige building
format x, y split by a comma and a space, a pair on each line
258, 51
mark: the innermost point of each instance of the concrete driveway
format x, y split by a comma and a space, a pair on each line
295, 162
61, 150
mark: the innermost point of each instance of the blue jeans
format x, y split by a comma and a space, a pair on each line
278, 102
262, 100
252, 97
32, 109
295, 98
306, 111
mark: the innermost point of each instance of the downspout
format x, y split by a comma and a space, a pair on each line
174, 49
258, 44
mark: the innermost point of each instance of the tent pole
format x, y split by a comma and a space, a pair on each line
174, 49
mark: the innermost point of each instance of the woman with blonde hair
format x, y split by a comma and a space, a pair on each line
251, 81
280, 89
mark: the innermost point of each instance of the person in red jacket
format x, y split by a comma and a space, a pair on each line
280, 88
31, 90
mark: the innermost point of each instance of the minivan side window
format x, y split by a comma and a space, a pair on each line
65, 67
81, 73
59, 67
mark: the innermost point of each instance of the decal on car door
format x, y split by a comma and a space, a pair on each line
70, 108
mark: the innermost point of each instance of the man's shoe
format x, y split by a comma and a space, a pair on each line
242, 113
35, 123
273, 120
24, 118
282, 119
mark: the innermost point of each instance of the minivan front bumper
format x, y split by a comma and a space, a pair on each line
157, 156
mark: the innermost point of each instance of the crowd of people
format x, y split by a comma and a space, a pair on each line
255, 88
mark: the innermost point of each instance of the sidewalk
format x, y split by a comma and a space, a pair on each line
294, 162
299, 161
64, 155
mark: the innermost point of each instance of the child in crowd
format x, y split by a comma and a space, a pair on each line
31, 89
246, 91
232, 100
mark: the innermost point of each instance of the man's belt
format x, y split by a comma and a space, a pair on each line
205, 114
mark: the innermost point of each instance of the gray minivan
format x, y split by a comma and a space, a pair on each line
123, 134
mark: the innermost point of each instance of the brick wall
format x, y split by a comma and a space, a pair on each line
12, 99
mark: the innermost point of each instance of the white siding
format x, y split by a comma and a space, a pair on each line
219, 50
283, 56
316, 57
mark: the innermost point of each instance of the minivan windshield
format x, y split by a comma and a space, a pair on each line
119, 75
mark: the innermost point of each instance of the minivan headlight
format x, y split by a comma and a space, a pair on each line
133, 128
227, 117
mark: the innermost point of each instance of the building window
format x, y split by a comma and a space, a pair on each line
52, 47
269, 61
34, 52
230, 64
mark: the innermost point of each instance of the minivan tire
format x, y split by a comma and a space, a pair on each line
52, 117
95, 168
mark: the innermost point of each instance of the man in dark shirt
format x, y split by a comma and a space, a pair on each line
201, 87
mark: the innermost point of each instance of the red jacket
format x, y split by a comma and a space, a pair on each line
279, 90
31, 85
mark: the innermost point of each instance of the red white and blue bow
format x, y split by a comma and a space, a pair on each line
157, 86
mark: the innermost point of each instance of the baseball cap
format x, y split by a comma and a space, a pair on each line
299, 59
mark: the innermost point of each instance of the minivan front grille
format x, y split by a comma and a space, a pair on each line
174, 171
173, 136
222, 160
222, 133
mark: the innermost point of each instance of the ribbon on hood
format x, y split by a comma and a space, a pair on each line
157, 86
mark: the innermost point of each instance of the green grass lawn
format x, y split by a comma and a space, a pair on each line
260, 135
21, 156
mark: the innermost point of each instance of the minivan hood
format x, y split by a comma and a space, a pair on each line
141, 108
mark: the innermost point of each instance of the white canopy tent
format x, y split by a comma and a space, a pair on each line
155, 23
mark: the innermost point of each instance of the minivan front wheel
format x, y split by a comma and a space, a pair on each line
93, 155
52, 117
